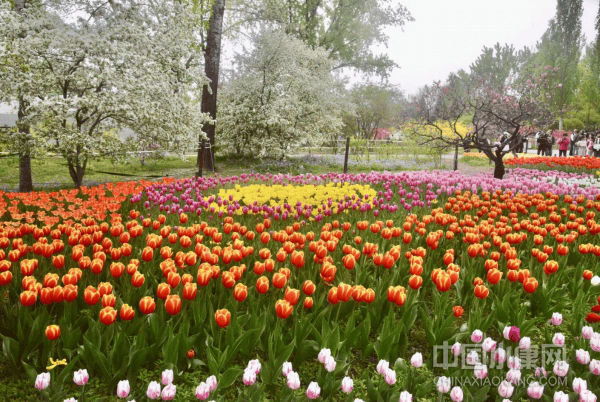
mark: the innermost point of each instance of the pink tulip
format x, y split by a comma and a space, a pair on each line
42, 381
202, 391
535, 390
347, 385
286, 369
313, 391
123, 389
153, 391
167, 377
249, 376
330, 364
505, 389
405, 396
587, 396
390, 376
558, 339
561, 368
583, 356
81, 377
168, 392
477, 336
293, 380
416, 360
595, 367
456, 394
579, 385
382, 366
324, 354
443, 385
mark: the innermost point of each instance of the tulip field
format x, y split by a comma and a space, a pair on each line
410, 286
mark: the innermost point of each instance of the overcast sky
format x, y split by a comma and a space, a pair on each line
447, 35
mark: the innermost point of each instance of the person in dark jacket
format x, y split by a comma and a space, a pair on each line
574, 138
542, 143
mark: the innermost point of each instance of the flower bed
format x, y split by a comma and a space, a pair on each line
574, 164
280, 287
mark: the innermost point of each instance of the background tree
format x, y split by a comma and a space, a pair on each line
500, 63
377, 107
587, 98
348, 29
285, 97
19, 140
560, 48
442, 107
118, 64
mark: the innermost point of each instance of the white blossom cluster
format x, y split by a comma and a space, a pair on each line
84, 69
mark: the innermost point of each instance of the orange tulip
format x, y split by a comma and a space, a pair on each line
127, 313
223, 317
279, 280
550, 267
240, 292
91, 295
332, 296
147, 305
137, 279
458, 311
494, 276
262, 284
52, 332
190, 290
344, 292
481, 291
283, 308
530, 285
173, 304
69, 293
349, 261
108, 315
308, 302
308, 287
415, 282
443, 282
292, 295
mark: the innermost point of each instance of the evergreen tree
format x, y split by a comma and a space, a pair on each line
560, 48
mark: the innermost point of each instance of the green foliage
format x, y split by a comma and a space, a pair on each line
377, 106
560, 48
348, 30
500, 63
569, 124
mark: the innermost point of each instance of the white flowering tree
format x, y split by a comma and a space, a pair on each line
285, 97
90, 68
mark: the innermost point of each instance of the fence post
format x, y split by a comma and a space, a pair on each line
346, 155
456, 157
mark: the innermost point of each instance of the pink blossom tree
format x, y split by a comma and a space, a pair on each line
516, 108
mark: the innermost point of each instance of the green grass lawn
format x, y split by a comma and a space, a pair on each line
474, 161
52, 173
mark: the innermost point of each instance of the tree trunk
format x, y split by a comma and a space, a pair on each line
212, 60
77, 170
499, 168
456, 157
25, 179
560, 123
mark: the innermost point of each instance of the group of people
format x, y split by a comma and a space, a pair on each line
576, 143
